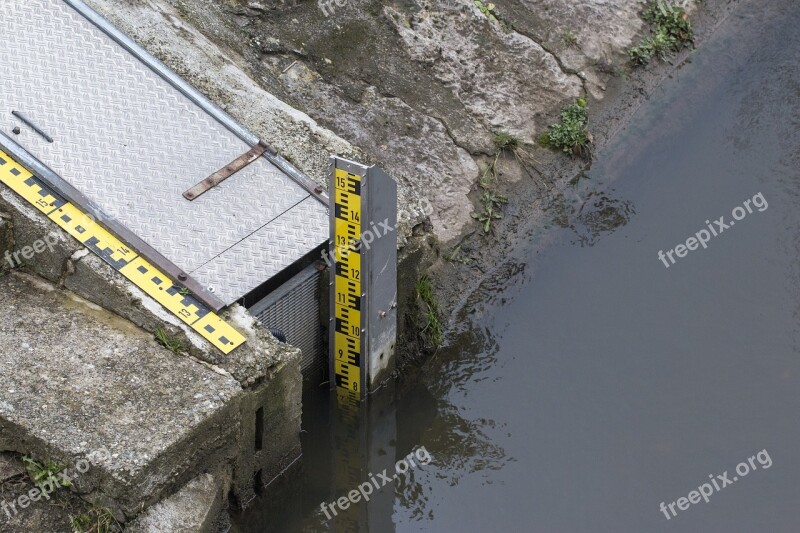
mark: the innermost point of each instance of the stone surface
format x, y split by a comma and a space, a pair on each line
79, 380
94, 280
193, 509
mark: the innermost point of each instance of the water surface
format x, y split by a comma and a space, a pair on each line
597, 383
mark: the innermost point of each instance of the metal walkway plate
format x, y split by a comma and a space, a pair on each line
132, 143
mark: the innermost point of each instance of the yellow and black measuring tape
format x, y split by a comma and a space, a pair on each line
348, 359
121, 257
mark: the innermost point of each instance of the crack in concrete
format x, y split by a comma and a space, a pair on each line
566, 70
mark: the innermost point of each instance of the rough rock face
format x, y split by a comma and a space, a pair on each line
420, 86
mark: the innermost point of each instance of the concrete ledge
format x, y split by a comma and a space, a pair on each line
193, 509
79, 381
67, 263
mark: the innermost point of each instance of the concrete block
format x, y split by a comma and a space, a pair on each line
81, 384
193, 509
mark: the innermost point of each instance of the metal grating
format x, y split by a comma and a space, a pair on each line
294, 308
131, 142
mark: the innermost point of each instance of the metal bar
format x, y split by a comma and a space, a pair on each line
62, 187
227, 171
301, 179
32, 126
195, 96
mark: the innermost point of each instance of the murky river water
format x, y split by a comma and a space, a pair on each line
597, 383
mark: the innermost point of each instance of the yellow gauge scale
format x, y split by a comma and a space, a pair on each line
121, 257
347, 287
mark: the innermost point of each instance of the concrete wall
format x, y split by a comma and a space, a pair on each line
272, 410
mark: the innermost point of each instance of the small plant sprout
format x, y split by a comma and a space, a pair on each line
570, 39
170, 342
40, 472
489, 10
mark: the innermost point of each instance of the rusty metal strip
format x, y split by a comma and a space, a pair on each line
227, 171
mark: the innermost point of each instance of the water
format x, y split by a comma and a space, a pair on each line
597, 383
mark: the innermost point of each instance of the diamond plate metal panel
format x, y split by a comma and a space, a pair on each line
267, 251
132, 143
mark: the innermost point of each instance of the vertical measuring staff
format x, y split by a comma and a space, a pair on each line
363, 278
348, 374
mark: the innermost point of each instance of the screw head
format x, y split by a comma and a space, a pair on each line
182, 276
16, 130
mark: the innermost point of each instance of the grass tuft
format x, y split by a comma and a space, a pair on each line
570, 39
505, 141
170, 342
40, 472
434, 328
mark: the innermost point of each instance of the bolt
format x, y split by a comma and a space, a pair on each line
383, 314
211, 289
182, 276
16, 130
318, 189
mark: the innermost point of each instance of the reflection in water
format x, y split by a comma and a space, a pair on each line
590, 214
344, 449
460, 446
601, 214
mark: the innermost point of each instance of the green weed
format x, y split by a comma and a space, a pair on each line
670, 31
571, 135
489, 10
